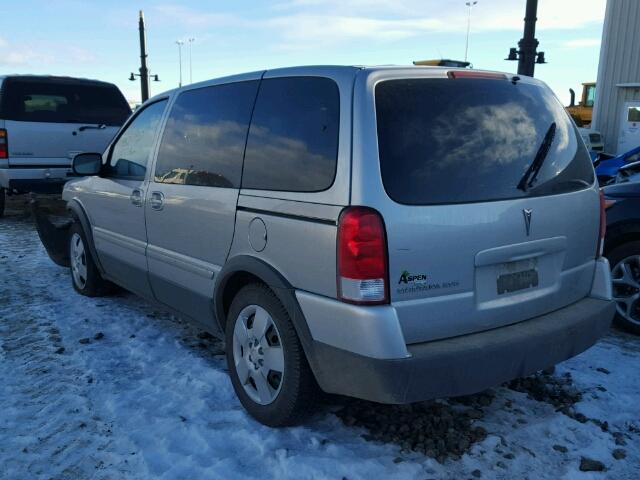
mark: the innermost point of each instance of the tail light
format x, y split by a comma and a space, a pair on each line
362, 257
4, 146
603, 225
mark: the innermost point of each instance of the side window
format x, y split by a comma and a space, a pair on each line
204, 139
130, 154
591, 96
293, 139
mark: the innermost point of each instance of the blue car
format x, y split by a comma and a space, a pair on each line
607, 166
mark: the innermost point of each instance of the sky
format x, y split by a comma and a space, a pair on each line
99, 39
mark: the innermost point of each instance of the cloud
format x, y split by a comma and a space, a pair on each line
187, 17
296, 23
582, 43
39, 54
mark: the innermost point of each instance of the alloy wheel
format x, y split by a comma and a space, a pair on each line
78, 259
258, 355
626, 288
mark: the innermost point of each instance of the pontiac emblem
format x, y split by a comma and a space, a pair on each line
527, 220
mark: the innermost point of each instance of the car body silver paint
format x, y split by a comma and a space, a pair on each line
443, 241
459, 244
602, 287
369, 331
302, 250
118, 225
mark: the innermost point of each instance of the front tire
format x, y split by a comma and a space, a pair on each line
3, 201
85, 277
625, 275
267, 365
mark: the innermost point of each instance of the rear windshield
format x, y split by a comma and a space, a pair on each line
470, 140
63, 102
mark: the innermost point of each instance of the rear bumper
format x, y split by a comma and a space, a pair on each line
466, 364
39, 180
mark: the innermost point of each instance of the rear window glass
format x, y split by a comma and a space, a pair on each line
471, 140
293, 139
63, 102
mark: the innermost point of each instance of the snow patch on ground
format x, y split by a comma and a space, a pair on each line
151, 399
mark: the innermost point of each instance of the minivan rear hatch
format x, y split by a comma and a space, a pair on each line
490, 206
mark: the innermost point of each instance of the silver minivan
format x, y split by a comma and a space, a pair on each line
394, 234
45, 121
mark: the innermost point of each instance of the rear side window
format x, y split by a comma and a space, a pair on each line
471, 140
63, 102
205, 135
293, 139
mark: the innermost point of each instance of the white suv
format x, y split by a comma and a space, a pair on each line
45, 121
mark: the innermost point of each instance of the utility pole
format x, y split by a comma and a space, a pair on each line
527, 54
529, 44
191, 40
180, 43
470, 5
144, 72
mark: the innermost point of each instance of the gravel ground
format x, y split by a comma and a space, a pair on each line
117, 388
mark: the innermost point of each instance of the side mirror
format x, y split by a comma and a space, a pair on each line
87, 164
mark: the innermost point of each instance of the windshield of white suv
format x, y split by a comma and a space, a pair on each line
469, 140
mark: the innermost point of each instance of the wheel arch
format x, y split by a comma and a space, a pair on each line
244, 269
79, 214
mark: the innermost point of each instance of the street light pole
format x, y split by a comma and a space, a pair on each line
180, 43
527, 53
528, 44
470, 5
191, 40
144, 71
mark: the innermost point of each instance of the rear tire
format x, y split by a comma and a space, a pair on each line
267, 365
85, 277
625, 274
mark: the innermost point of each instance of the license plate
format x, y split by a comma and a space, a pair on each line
515, 276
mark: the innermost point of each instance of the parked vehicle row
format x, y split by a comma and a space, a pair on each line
45, 121
613, 168
393, 234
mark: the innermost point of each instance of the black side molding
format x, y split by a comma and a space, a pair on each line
303, 218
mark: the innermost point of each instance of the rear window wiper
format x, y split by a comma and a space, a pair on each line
543, 151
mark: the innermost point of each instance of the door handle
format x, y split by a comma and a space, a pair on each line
136, 197
157, 200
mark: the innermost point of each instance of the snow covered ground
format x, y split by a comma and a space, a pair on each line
115, 388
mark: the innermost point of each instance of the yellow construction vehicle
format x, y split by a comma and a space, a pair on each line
583, 112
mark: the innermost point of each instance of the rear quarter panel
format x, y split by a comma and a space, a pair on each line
301, 227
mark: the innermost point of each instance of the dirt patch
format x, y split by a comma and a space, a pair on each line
439, 430
557, 391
